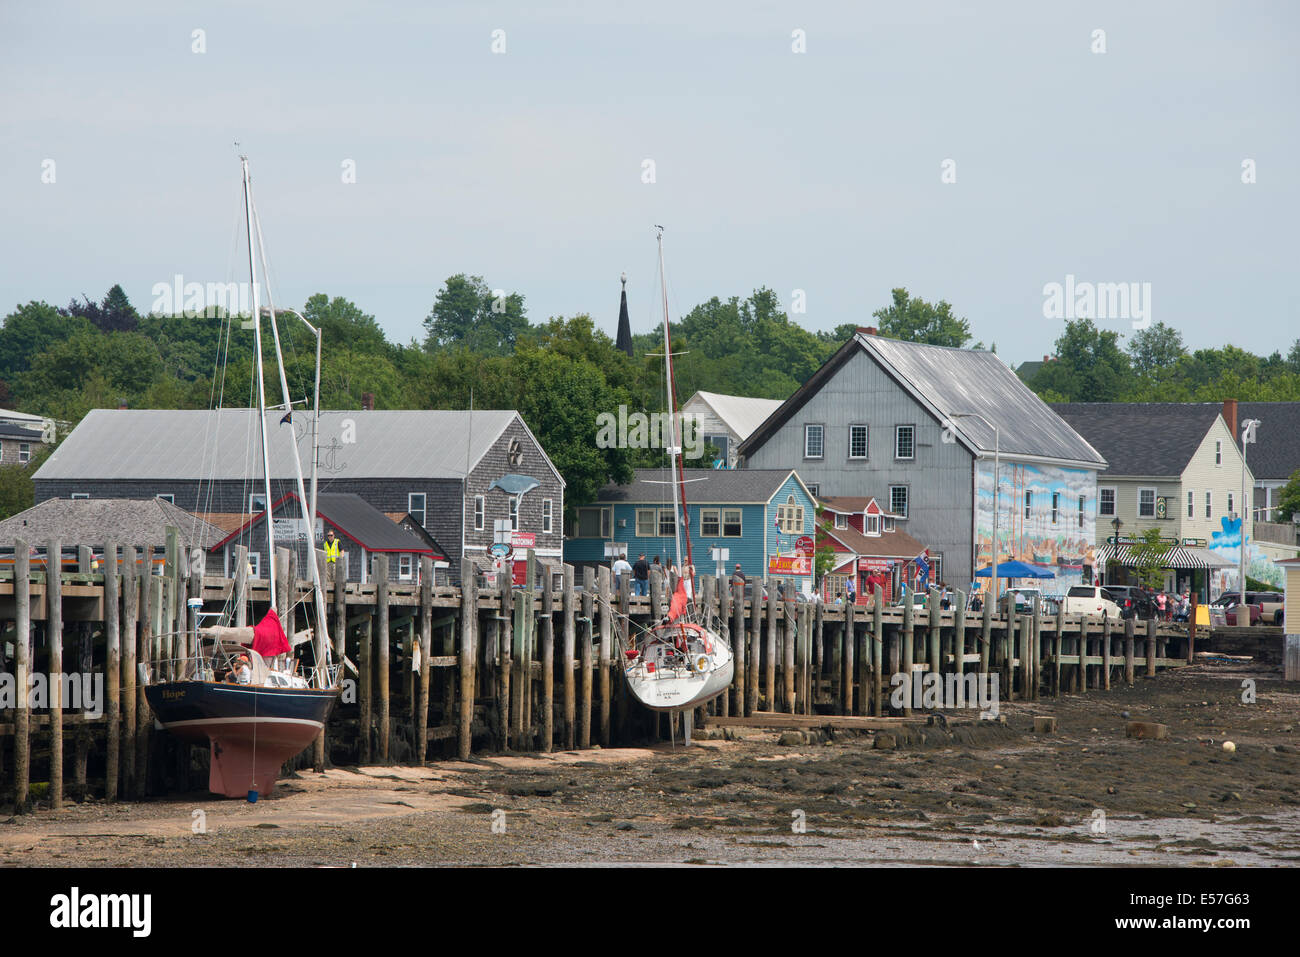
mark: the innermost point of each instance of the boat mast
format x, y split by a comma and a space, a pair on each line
682, 519
303, 501
261, 386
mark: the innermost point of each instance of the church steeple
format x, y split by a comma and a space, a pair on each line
624, 340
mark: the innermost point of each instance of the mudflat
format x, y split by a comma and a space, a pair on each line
958, 793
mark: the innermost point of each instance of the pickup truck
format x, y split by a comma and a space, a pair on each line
1270, 604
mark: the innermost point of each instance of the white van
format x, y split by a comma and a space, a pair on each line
1090, 600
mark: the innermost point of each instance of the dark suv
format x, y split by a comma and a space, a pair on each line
1133, 601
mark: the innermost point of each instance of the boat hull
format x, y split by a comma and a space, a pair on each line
679, 689
250, 730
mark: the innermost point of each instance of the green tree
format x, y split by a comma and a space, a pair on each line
17, 493
1149, 558
344, 325
915, 320
1156, 349
30, 330
1288, 504
466, 312
1089, 366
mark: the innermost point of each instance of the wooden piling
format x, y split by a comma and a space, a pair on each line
366, 685
382, 649
587, 638
23, 666
113, 703
774, 607
1130, 628
877, 650
908, 657
146, 670
1105, 651
547, 743
1151, 647
755, 647
130, 615
787, 661
54, 628
426, 650
606, 651
986, 636
935, 613
847, 669
504, 657
468, 654
959, 645
738, 678
567, 656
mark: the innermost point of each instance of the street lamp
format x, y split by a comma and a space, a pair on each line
1117, 525
1247, 437
997, 461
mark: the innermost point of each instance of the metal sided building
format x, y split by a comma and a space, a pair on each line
920, 424
447, 469
756, 515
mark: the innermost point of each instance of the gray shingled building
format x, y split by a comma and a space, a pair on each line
441, 467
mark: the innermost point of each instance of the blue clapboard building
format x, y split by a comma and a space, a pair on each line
757, 515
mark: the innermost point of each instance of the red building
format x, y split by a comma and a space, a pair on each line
869, 547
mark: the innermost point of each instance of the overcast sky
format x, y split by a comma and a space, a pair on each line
819, 171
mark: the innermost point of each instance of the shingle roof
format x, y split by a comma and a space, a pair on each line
1275, 453
1142, 438
91, 521
740, 413
704, 486
895, 544
10, 431
949, 381
354, 518
223, 444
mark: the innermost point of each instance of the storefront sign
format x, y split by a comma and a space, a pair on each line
522, 539
874, 564
789, 565
805, 546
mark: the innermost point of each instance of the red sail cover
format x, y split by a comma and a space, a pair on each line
268, 636
679, 601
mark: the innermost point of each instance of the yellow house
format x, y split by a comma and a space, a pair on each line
1291, 619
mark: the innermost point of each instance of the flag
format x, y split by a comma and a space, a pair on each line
286, 419
922, 571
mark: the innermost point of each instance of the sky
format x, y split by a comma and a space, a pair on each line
970, 152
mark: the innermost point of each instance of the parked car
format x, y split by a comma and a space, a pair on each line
1091, 600
1271, 604
1223, 611
1133, 601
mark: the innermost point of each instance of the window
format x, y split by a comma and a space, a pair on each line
1218, 453
1029, 502
547, 513
1146, 503
647, 523
1081, 511
254, 564
591, 523
789, 517
710, 522
87, 495
898, 500
731, 523
478, 513
720, 442
165, 496
904, 441
1229, 503
1209, 503
857, 441
1191, 505
1106, 501
514, 513
1056, 505
841, 520
415, 505
814, 490
24, 453
256, 503
889, 524
812, 441
667, 522
404, 566
873, 524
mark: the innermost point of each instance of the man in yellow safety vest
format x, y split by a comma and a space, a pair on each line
331, 547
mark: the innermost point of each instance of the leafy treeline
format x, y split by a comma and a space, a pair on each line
481, 347
1091, 366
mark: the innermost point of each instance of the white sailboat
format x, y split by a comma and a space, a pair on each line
677, 664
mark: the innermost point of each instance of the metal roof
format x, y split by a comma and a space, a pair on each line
952, 381
1143, 438
947, 381
224, 444
703, 487
740, 413
91, 521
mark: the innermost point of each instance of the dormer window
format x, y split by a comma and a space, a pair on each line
873, 524
841, 520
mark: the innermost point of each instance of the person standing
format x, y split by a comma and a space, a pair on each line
621, 568
849, 590
641, 576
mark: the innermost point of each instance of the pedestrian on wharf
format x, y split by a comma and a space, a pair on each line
641, 576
